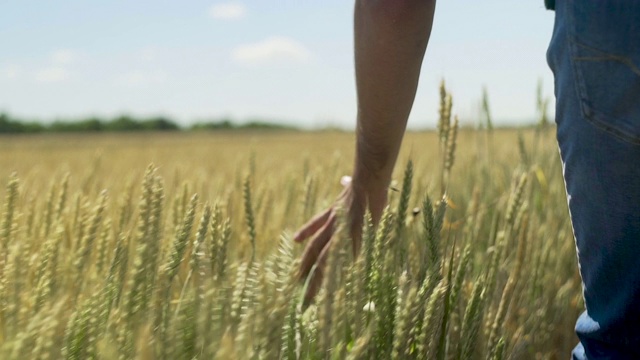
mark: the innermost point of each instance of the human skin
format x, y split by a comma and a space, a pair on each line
390, 39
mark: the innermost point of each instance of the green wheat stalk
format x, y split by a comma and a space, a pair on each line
248, 211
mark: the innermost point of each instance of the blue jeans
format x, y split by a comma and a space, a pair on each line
595, 57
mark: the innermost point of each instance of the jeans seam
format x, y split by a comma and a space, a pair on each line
587, 112
606, 56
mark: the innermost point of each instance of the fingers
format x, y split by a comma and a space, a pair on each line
312, 226
316, 277
317, 250
316, 246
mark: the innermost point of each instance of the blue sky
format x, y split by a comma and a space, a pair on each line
287, 60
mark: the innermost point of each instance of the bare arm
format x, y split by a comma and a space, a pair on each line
390, 41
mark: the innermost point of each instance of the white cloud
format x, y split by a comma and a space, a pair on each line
51, 74
149, 53
63, 56
227, 11
142, 78
271, 50
11, 72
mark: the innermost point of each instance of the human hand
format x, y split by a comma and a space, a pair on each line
353, 202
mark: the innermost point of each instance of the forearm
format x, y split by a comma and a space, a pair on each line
390, 41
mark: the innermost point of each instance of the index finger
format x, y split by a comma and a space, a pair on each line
312, 226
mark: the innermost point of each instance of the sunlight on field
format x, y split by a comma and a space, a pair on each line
147, 270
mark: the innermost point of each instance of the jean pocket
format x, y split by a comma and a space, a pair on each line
608, 85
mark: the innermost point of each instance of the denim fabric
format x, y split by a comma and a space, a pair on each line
595, 57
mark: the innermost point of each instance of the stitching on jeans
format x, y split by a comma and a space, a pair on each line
587, 112
605, 56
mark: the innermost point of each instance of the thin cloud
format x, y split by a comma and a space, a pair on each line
51, 75
273, 49
63, 56
227, 11
11, 72
149, 53
142, 78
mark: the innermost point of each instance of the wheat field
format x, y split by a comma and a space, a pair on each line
178, 246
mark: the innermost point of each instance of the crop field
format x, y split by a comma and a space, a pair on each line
179, 246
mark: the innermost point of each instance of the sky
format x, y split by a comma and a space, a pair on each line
287, 61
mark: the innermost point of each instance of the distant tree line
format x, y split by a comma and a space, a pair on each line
125, 123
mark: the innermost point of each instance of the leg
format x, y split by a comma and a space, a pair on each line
594, 55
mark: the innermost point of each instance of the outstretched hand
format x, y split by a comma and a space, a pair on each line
320, 229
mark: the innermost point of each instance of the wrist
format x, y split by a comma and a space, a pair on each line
366, 180
371, 189
375, 158
372, 172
